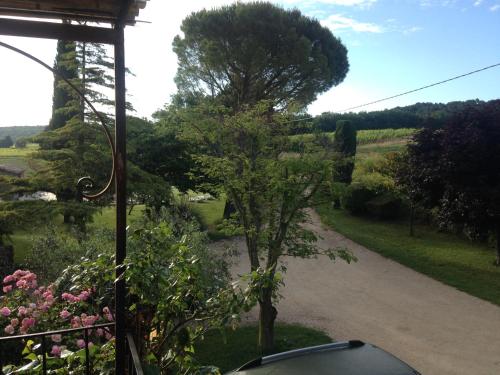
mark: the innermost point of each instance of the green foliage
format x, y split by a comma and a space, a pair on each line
53, 250
270, 189
21, 143
8, 221
65, 101
158, 149
455, 170
177, 288
6, 142
434, 115
344, 144
17, 132
244, 53
229, 349
344, 140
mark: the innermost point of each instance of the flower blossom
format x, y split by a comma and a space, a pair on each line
7, 288
9, 330
65, 314
5, 311
56, 350
80, 343
56, 338
22, 311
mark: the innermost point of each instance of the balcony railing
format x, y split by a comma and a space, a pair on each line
134, 364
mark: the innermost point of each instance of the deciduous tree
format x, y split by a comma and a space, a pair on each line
271, 191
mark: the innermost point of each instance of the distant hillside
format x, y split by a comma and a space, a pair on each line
412, 116
16, 132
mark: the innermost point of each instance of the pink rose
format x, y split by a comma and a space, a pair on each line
65, 314
80, 343
89, 320
21, 311
56, 338
22, 284
99, 332
9, 330
14, 322
56, 350
75, 322
8, 279
7, 289
84, 295
5, 311
20, 273
28, 322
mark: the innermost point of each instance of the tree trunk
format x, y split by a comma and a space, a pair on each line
497, 260
267, 317
229, 209
412, 220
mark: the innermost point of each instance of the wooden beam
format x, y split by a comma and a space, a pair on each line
50, 30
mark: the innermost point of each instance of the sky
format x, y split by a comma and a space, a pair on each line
393, 46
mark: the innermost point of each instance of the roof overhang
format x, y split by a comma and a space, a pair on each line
102, 11
82, 20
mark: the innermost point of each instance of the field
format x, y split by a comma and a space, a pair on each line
365, 137
20, 158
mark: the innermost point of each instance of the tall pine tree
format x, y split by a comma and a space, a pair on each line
65, 102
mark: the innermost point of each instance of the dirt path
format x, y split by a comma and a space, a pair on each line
433, 327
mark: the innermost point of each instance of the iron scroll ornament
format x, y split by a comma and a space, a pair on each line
86, 183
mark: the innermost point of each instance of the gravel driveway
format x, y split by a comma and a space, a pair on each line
435, 328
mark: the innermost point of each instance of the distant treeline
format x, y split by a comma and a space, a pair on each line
412, 116
16, 132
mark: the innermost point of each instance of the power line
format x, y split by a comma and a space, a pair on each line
423, 87
407, 92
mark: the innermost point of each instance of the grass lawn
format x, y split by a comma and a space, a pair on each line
12, 151
20, 158
455, 261
235, 348
107, 217
210, 214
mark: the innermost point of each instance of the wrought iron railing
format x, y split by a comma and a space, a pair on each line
134, 364
134, 361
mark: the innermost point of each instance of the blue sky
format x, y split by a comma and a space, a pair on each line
393, 46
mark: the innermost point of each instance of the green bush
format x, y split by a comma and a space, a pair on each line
385, 206
373, 194
356, 198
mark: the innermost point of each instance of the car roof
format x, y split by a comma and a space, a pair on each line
341, 358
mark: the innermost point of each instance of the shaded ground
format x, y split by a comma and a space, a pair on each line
433, 327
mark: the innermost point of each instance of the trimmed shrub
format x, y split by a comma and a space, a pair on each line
385, 206
356, 198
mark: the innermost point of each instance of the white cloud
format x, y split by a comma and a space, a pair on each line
478, 3
495, 7
412, 30
433, 3
336, 22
